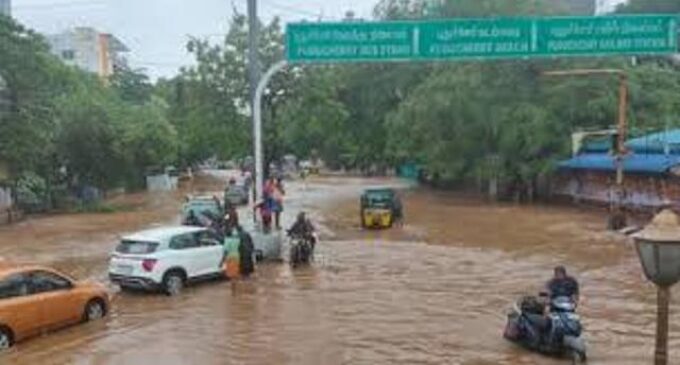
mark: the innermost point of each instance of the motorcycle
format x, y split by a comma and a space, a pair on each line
557, 334
301, 250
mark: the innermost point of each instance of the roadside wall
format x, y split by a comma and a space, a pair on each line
642, 192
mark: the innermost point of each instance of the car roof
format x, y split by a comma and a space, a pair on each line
9, 267
161, 234
202, 198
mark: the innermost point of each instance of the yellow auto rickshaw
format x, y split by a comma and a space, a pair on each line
380, 208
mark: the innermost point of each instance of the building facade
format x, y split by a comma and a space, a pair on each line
6, 7
651, 170
89, 50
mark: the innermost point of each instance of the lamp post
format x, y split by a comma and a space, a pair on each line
658, 247
617, 218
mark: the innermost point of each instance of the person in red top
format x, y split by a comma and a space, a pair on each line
265, 215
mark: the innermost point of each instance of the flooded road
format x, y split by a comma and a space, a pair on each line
432, 292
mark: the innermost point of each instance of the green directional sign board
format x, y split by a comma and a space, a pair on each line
476, 38
607, 35
350, 41
481, 38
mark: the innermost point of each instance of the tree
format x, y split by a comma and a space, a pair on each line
316, 120
210, 102
88, 142
33, 79
60, 116
133, 86
148, 140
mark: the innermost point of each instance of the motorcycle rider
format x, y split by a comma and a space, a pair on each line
537, 310
563, 285
303, 228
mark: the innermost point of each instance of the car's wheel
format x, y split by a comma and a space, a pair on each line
6, 338
173, 283
94, 310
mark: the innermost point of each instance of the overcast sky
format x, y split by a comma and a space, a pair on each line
156, 31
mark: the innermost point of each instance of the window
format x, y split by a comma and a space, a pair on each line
68, 54
14, 286
183, 242
207, 238
136, 247
43, 281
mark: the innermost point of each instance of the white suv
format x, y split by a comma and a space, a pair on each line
166, 259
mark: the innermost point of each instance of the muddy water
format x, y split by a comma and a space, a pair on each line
431, 292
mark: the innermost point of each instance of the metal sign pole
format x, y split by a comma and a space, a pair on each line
257, 127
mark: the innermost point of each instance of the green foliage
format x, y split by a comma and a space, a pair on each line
317, 120
62, 119
31, 191
132, 86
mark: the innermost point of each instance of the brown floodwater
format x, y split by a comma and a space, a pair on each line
434, 291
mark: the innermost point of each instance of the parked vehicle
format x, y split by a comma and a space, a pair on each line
236, 194
200, 205
561, 335
380, 208
35, 299
166, 259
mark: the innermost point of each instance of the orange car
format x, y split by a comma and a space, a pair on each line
36, 299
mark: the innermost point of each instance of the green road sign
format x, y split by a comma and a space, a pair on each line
481, 38
607, 35
476, 38
324, 42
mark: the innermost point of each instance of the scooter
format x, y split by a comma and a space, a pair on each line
557, 334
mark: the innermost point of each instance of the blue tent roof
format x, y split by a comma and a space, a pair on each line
656, 142
635, 163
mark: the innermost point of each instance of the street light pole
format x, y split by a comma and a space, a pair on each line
254, 74
663, 298
617, 216
658, 248
257, 126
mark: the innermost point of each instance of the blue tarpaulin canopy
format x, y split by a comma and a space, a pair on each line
657, 142
634, 163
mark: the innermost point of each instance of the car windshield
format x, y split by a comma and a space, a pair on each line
136, 247
236, 189
378, 202
201, 205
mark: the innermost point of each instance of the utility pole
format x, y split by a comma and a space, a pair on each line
254, 77
617, 216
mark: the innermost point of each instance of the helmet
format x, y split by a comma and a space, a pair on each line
301, 216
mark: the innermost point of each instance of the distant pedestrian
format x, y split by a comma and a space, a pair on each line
246, 252
277, 202
232, 257
265, 214
231, 220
